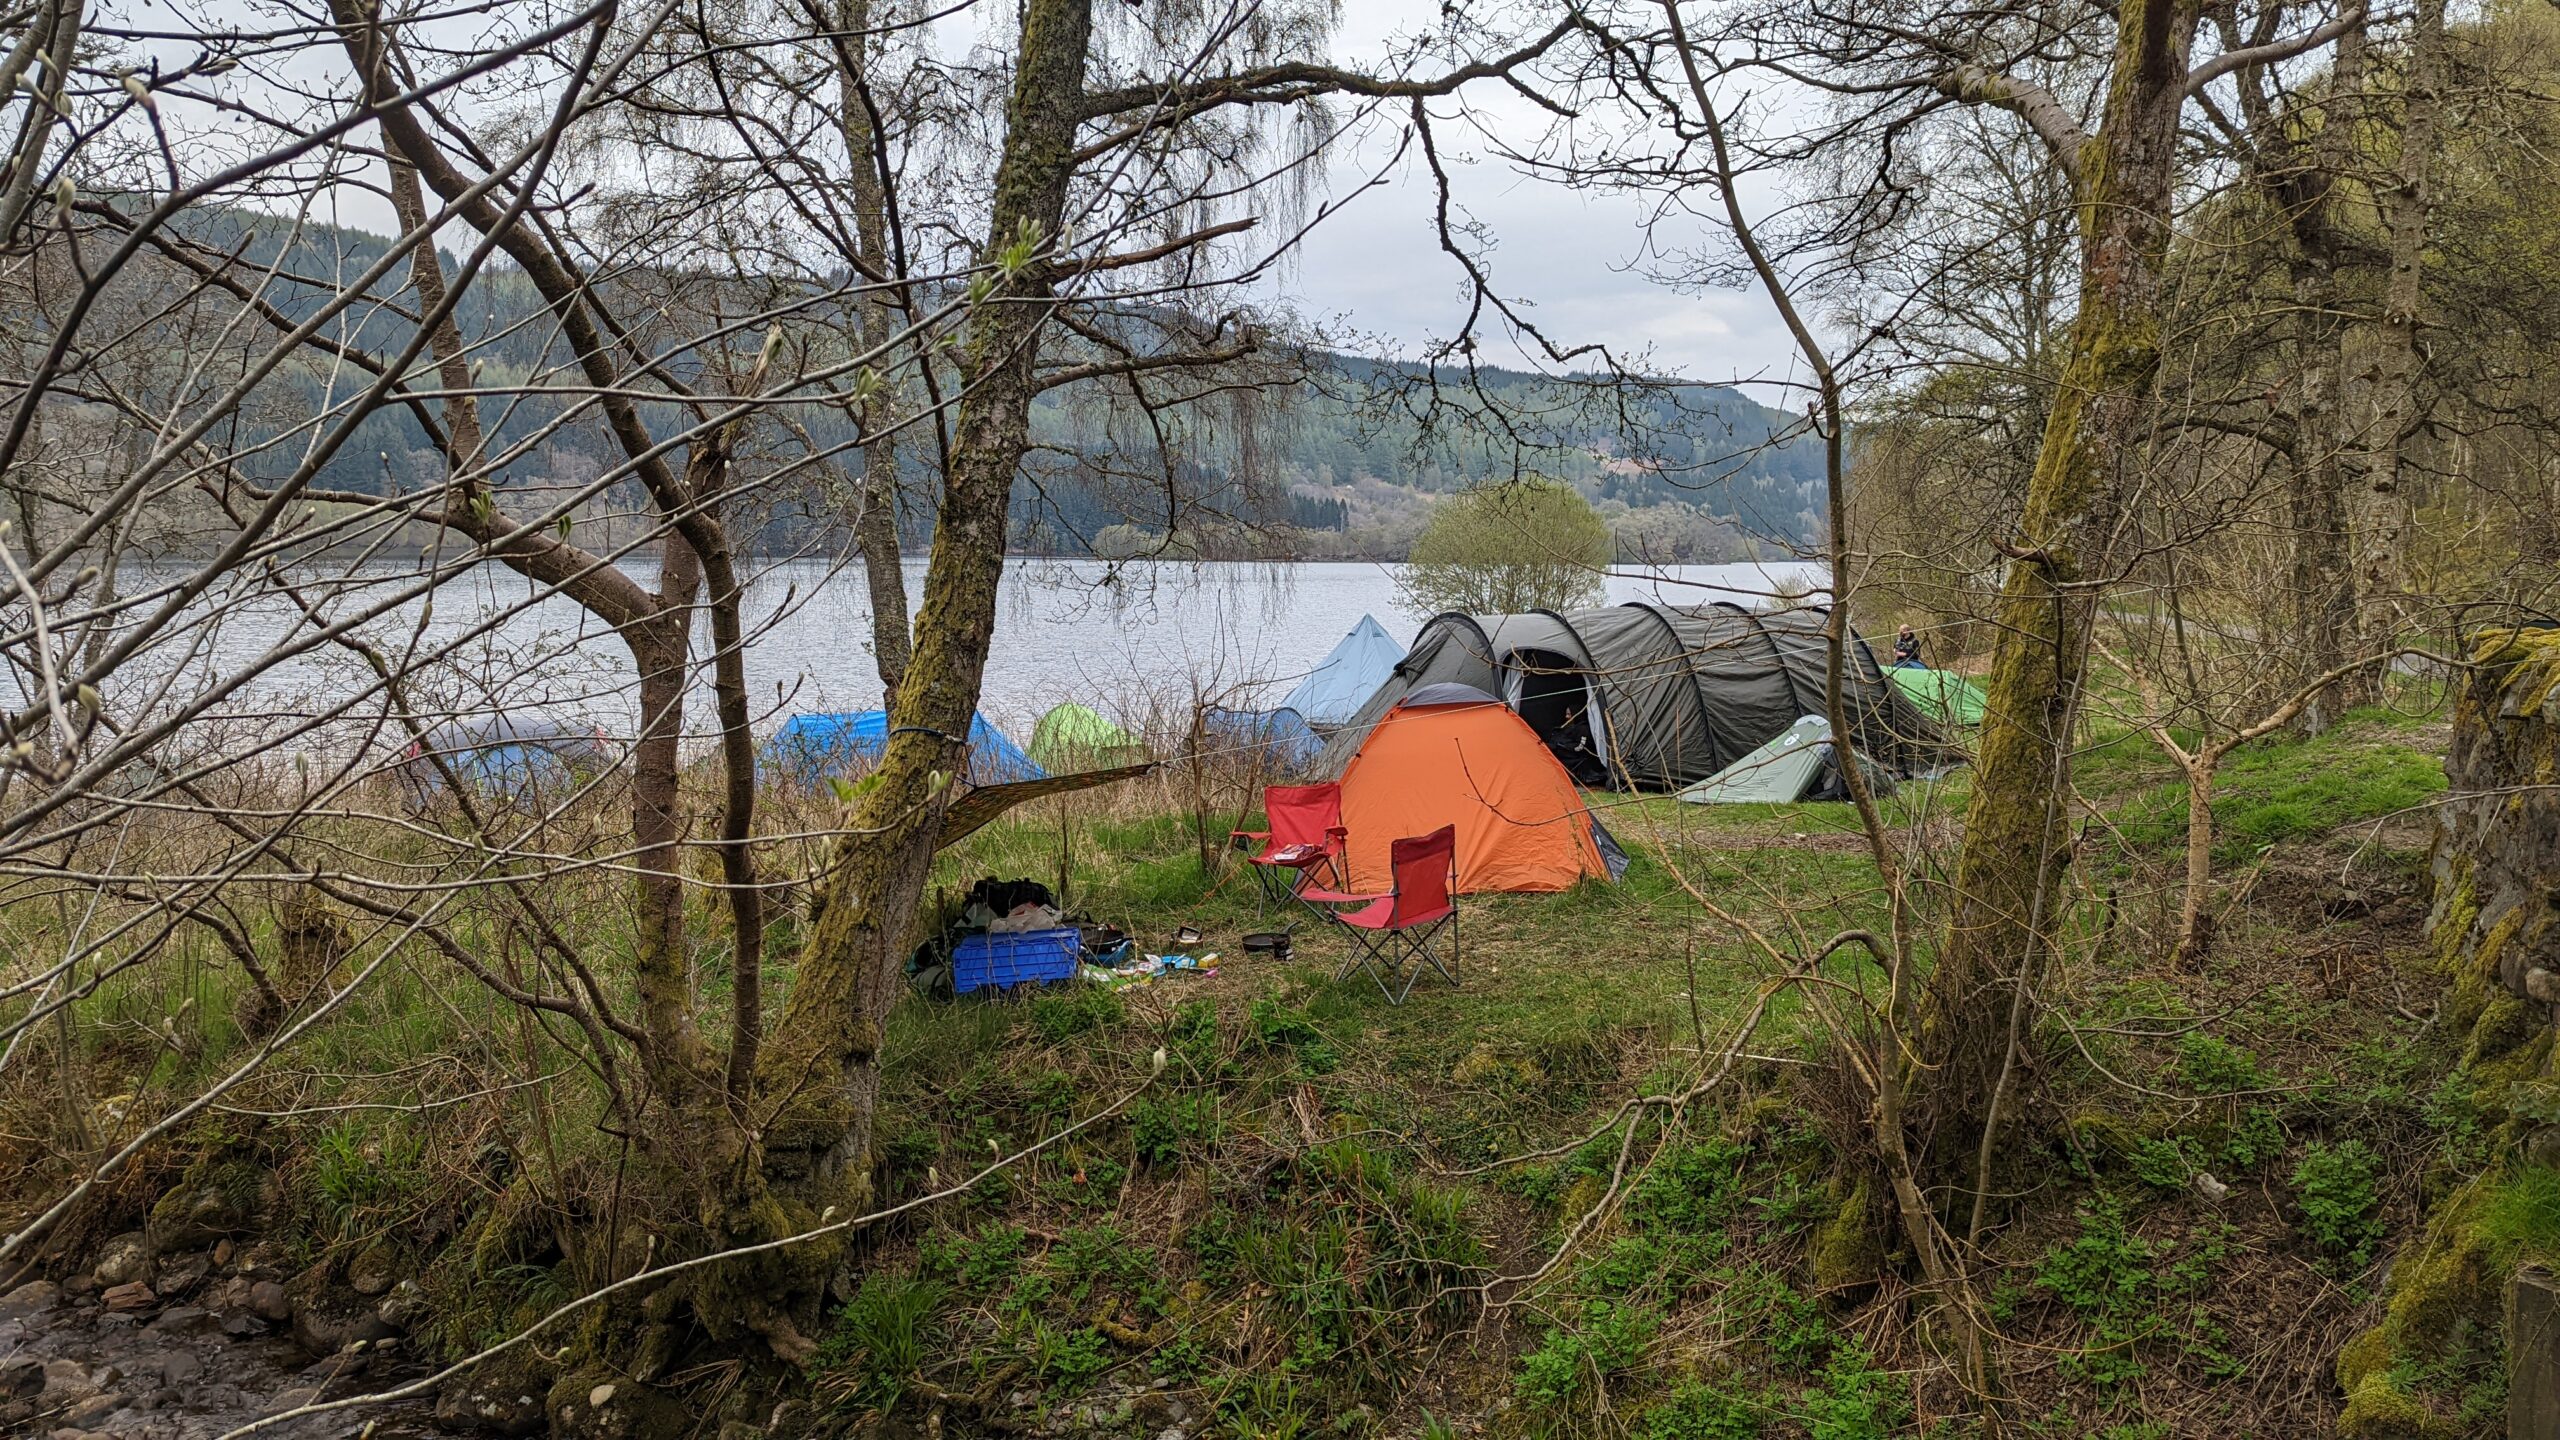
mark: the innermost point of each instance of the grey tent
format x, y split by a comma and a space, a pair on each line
1801, 764
1652, 697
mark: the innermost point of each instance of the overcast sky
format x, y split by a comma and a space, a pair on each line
1379, 264
1375, 271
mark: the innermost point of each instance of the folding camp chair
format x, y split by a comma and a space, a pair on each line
1306, 840
1390, 932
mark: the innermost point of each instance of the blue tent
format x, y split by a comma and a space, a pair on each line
507, 753
808, 747
1287, 742
1334, 691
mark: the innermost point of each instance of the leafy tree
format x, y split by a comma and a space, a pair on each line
1529, 544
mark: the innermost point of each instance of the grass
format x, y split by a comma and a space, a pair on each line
1294, 1221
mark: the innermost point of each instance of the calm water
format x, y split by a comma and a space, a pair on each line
1149, 634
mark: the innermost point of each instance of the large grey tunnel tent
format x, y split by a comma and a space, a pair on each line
1652, 697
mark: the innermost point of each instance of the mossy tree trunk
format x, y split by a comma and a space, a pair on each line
827, 1049
2297, 154
2008, 881
2324, 580
2391, 418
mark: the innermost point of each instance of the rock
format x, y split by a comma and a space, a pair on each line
132, 1295
66, 1383
326, 1316
185, 1320
404, 1307
87, 1413
293, 1399
21, 1377
2211, 1189
174, 1276
271, 1301
1171, 1432
628, 1412
179, 1366
372, 1270
241, 1326
121, 1261
223, 1195
33, 1298
506, 1395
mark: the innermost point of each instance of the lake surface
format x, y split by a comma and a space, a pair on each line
1127, 640
1238, 630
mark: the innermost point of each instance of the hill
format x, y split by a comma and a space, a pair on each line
1343, 463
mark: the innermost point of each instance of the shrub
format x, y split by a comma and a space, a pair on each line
2162, 1164
1691, 1188
1531, 544
1158, 1128
2215, 1066
2337, 1188
1698, 1411
1855, 1401
1612, 1339
980, 1262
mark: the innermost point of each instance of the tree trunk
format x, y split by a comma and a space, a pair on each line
2324, 585
2008, 885
2195, 916
879, 316
2381, 508
827, 1047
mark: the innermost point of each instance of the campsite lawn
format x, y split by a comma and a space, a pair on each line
1564, 998
1262, 1228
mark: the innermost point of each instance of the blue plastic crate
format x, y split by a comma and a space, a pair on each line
1023, 957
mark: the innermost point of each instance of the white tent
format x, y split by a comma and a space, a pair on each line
1335, 690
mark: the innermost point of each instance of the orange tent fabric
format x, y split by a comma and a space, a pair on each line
1521, 824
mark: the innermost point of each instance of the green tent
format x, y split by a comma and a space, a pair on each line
1073, 737
1798, 765
1944, 694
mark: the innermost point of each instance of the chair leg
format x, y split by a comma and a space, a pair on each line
1424, 953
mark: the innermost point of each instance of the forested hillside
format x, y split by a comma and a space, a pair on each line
1344, 463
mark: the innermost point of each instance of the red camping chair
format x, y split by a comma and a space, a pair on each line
1306, 836
1392, 931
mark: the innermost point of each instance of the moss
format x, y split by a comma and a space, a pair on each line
513, 1231
2363, 1356
2106, 1135
225, 1192
1846, 1249
2473, 968
2443, 1312
2494, 1076
2379, 1409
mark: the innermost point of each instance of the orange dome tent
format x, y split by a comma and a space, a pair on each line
1453, 755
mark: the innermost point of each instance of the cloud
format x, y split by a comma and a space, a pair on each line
1568, 259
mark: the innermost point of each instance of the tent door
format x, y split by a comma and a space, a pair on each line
1555, 696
